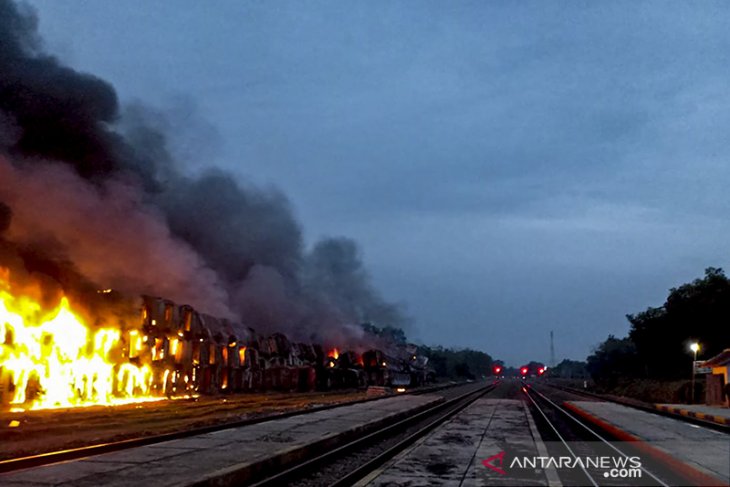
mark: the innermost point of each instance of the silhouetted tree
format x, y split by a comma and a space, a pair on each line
612, 360
569, 369
699, 311
458, 364
390, 333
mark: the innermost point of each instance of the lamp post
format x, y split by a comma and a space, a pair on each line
695, 347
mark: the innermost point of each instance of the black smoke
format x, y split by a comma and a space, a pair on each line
54, 111
118, 207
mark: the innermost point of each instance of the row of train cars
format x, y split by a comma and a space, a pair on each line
195, 352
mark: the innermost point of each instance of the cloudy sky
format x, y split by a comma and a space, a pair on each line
508, 168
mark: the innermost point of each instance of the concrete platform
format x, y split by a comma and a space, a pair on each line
715, 414
699, 454
453, 454
226, 457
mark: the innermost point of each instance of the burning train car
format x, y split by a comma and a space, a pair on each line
402, 368
168, 350
195, 352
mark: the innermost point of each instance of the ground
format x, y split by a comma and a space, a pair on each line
33, 432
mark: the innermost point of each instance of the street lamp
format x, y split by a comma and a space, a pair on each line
695, 347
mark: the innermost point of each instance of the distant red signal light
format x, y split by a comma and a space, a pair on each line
540, 371
497, 370
523, 371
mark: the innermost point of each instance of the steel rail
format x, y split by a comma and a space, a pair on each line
560, 437
572, 417
723, 428
48, 458
452, 406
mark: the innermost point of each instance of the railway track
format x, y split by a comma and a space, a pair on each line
647, 408
353, 461
566, 435
48, 458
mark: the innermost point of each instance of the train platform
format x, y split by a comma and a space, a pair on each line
699, 454
226, 457
714, 414
474, 448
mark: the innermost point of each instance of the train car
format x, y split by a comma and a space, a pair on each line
385, 370
185, 352
281, 372
345, 371
421, 372
306, 362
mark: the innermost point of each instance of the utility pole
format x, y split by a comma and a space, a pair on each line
695, 347
552, 350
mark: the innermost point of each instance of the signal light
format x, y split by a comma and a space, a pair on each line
540, 371
497, 370
523, 371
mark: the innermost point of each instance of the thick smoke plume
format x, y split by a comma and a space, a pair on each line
102, 196
105, 230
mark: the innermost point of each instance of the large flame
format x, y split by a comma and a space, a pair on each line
51, 359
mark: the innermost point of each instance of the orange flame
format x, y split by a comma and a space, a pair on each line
51, 359
332, 355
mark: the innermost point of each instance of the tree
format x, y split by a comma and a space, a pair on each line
699, 311
612, 360
569, 369
458, 364
390, 333
462, 371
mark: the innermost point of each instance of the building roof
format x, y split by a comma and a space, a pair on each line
722, 358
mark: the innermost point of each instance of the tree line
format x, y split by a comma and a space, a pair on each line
458, 364
657, 345
447, 363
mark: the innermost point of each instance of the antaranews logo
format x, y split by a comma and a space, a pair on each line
614, 467
492, 462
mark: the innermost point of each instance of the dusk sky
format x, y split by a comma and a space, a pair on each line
507, 168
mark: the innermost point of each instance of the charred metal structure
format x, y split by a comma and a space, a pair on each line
192, 352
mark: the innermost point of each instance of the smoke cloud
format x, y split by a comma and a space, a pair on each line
104, 195
108, 234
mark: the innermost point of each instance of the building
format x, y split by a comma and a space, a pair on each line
717, 377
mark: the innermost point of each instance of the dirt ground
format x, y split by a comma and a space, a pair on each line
34, 432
